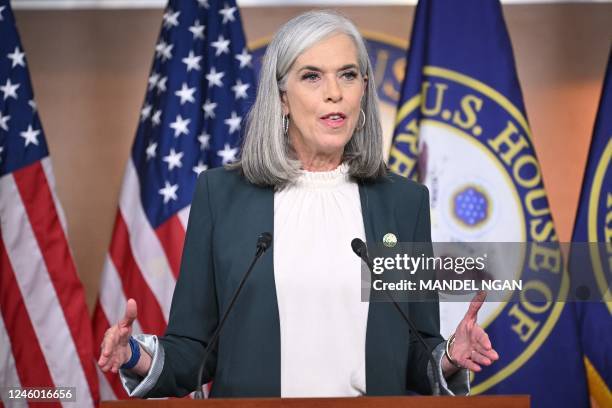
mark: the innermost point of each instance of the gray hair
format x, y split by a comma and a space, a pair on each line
266, 157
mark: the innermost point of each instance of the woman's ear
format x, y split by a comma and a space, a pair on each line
284, 103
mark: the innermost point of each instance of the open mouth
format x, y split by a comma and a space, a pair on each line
334, 119
334, 116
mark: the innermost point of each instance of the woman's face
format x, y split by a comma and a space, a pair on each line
323, 98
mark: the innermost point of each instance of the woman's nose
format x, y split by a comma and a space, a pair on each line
333, 92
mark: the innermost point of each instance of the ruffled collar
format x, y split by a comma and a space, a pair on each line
330, 178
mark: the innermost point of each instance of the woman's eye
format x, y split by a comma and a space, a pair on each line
310, 76
349, 75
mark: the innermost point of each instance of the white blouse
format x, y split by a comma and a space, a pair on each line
318, 284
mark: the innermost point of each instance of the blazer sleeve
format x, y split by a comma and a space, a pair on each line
425, 312
194, 310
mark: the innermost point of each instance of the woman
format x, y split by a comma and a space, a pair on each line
312, 173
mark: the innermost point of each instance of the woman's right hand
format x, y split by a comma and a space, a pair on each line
115, 349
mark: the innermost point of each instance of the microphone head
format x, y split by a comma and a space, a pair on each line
358, 247
264, 241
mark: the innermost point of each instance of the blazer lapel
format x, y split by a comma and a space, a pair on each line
379, 219
263, 221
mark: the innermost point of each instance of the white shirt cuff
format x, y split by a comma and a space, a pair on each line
456, 384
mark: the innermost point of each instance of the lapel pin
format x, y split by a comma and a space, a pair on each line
389, 240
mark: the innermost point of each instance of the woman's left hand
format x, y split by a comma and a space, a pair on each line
472, 347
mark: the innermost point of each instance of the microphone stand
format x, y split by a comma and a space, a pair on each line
361, 250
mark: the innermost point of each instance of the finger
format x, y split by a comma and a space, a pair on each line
124, 336
115, 364
131, 311
490, 354
476, 304
102, 362
109, 343
481, 338
480, 359
471, 365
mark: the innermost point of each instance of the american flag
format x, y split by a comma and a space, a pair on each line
200, 87
45, 335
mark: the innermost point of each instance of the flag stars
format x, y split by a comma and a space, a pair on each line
145, 112
153, 80
204, 140
221, 45
197, 30
151, 150
156, 118
174, 159
228, 13
30, 136
163, 50
171, 18
214, 78
169, 192
186, 94
240, 90
180, 126
228, 154
192, 61
9, 89
166, 52
32, 104
203, 3
2, 9
4, 122
233, 122
159, 48
161, 85
199, 168
244, 58
17, 58
209, 109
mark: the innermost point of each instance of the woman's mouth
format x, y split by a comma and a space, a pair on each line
334, 119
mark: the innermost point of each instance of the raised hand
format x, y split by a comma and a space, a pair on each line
115, 349
472, 347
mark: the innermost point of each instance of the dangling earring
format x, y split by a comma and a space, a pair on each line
364, 119
285, 124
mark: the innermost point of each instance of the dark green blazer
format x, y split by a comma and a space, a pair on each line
227, 215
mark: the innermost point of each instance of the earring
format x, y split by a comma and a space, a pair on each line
364, 120
285, 124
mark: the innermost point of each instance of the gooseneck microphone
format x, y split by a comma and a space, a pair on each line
264, 241
361, 250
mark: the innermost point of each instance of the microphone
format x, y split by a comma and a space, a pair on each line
361, 250
264, 241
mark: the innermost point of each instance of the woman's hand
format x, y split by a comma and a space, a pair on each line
115, 348
472, 347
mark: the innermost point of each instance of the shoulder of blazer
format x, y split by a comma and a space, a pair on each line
220, 179
397, 187
227, 191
